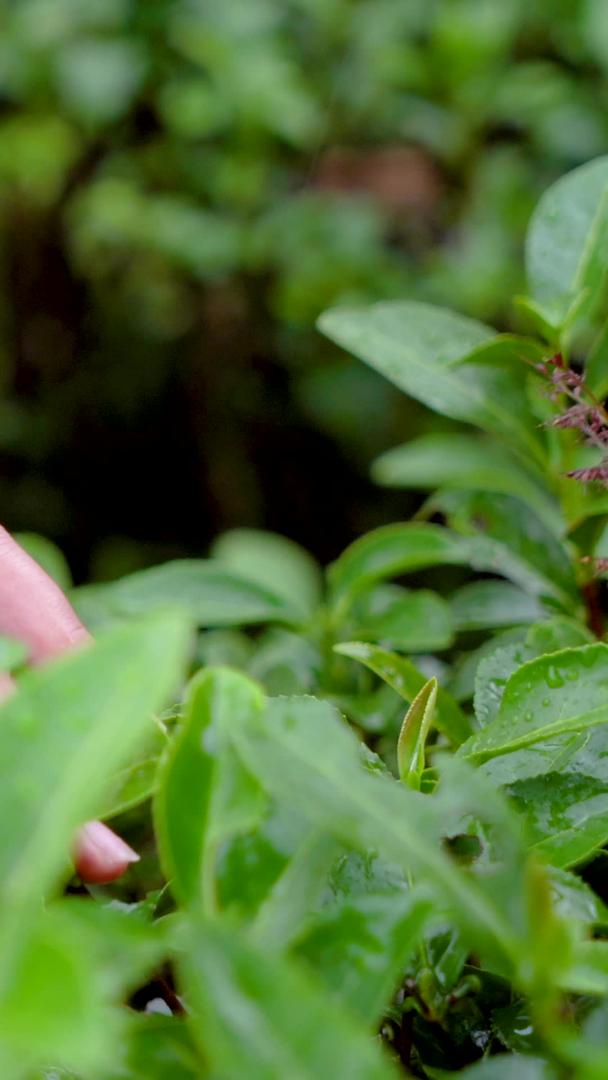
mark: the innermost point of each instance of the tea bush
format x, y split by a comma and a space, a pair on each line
379, 810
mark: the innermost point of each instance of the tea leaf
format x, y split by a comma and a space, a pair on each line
468, 462
273, 562
566, 236
72, 724
402, 675
242, 1001
426, 352
414, 733
205, 793
204, 589
550, 696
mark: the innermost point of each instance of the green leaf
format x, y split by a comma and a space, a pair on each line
490, 605
274, 562
309, 760
402, 675
285, 663
205, 793
158, 1047
413, 735
589, 972
492, 676
392, 550
564, 801
567, 240
566, 815
550, 696
574, 899
360, 947
462, 682
130, 787
297, 892
468, 462
518, 542
70, 727
77, 961
206, 591
410, 620
243, 1000
427, 352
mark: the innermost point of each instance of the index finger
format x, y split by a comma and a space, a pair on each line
33, 608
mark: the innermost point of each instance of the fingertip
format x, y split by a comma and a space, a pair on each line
100, 855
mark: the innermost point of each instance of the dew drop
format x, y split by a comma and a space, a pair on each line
554, 678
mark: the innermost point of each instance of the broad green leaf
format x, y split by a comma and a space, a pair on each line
135, 781
379, 710
360, 947
251, 863
403, 676
563, 801
468, 462
566, 815
130, 787
574, 899
243, 1001
309, 761
274, 562
207, 591
66, 732
158, 1047
557, 633
462, 682
554, 695
412, 620
499, 657
285, 663
567, 238
297, 893
518, 542
490, 605
426, 352
413, 735
76, 963
492, 676
205, 793
392, 550
51, 1005
589, 971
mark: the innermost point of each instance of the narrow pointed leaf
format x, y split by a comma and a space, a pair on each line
414, 733
404, 677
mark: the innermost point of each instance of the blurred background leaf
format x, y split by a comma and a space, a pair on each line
185, 186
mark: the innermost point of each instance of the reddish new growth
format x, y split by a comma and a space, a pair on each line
589, 416
586, 414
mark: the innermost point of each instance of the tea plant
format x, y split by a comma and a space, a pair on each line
379, 810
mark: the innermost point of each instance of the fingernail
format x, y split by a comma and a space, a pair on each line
100, 855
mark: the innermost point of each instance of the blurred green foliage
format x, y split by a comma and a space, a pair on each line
186, 184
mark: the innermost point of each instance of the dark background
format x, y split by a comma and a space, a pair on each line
186, 184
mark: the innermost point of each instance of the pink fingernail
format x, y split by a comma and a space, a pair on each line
100, 855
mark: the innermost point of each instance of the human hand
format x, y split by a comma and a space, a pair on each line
34, 610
